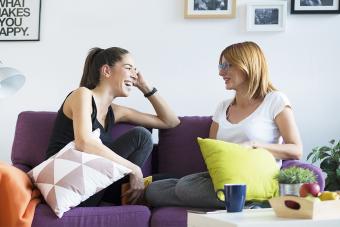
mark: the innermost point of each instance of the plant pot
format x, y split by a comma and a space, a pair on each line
289, 189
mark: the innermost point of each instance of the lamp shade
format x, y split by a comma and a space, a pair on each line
11, 80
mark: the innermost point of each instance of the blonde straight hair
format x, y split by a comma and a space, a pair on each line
249, 57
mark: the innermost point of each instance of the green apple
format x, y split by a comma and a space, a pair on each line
312, 198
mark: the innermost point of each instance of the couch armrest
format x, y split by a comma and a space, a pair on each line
23, 167
316, 170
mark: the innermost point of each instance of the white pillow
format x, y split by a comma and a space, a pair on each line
69, 177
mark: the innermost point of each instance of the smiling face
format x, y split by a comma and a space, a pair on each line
122, 76
234, 78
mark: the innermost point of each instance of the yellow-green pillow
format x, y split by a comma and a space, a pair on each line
230, 163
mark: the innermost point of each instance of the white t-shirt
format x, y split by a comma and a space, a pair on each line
259, 126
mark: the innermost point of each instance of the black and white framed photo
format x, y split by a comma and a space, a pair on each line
266, 16
210, 8
20, 20
315, 6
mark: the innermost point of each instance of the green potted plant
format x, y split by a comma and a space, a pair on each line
329, 157
290, 179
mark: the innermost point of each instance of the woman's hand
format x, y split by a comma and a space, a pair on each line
250, 144
141, 83
136, 186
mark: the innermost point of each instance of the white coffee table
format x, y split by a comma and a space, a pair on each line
254, 218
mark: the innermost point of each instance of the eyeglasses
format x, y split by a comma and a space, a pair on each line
224, 66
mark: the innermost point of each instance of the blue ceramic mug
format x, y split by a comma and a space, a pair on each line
235, 196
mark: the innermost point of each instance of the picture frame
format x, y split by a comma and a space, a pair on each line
20, 20
209, 8
266, 16
315, 7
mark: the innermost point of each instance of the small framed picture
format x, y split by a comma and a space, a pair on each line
20, 20
210, 8
315, 6
266, 16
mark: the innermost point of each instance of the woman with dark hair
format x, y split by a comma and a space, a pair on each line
108, 74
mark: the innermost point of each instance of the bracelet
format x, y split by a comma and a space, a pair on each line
153, 91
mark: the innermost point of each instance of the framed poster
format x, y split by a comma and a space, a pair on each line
315, 6
210, 8
20, 20
266, 16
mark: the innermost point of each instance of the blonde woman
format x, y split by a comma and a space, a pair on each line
258, 116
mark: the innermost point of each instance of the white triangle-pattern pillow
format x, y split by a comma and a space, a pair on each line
70, 177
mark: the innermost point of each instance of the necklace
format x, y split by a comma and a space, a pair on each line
228, 109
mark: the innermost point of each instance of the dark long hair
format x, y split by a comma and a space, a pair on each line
95, 59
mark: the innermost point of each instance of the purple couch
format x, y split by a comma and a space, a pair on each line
177, 153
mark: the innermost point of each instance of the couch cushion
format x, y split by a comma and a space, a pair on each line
169, 217
127, 216
70, 176
178, 152
32, 134
230, 163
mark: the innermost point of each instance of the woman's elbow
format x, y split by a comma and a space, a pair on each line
297, 156
80, 144
298, 153
174, 123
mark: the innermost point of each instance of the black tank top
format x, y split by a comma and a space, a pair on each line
63, 133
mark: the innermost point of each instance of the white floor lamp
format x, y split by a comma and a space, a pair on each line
11, 80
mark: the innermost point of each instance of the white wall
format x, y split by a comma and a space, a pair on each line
179, 56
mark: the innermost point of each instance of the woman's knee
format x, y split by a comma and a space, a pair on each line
158, 192
144, 134
190, 187
197, 190
143, 131
184, 188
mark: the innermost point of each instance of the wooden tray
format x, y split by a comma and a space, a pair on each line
305, 208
